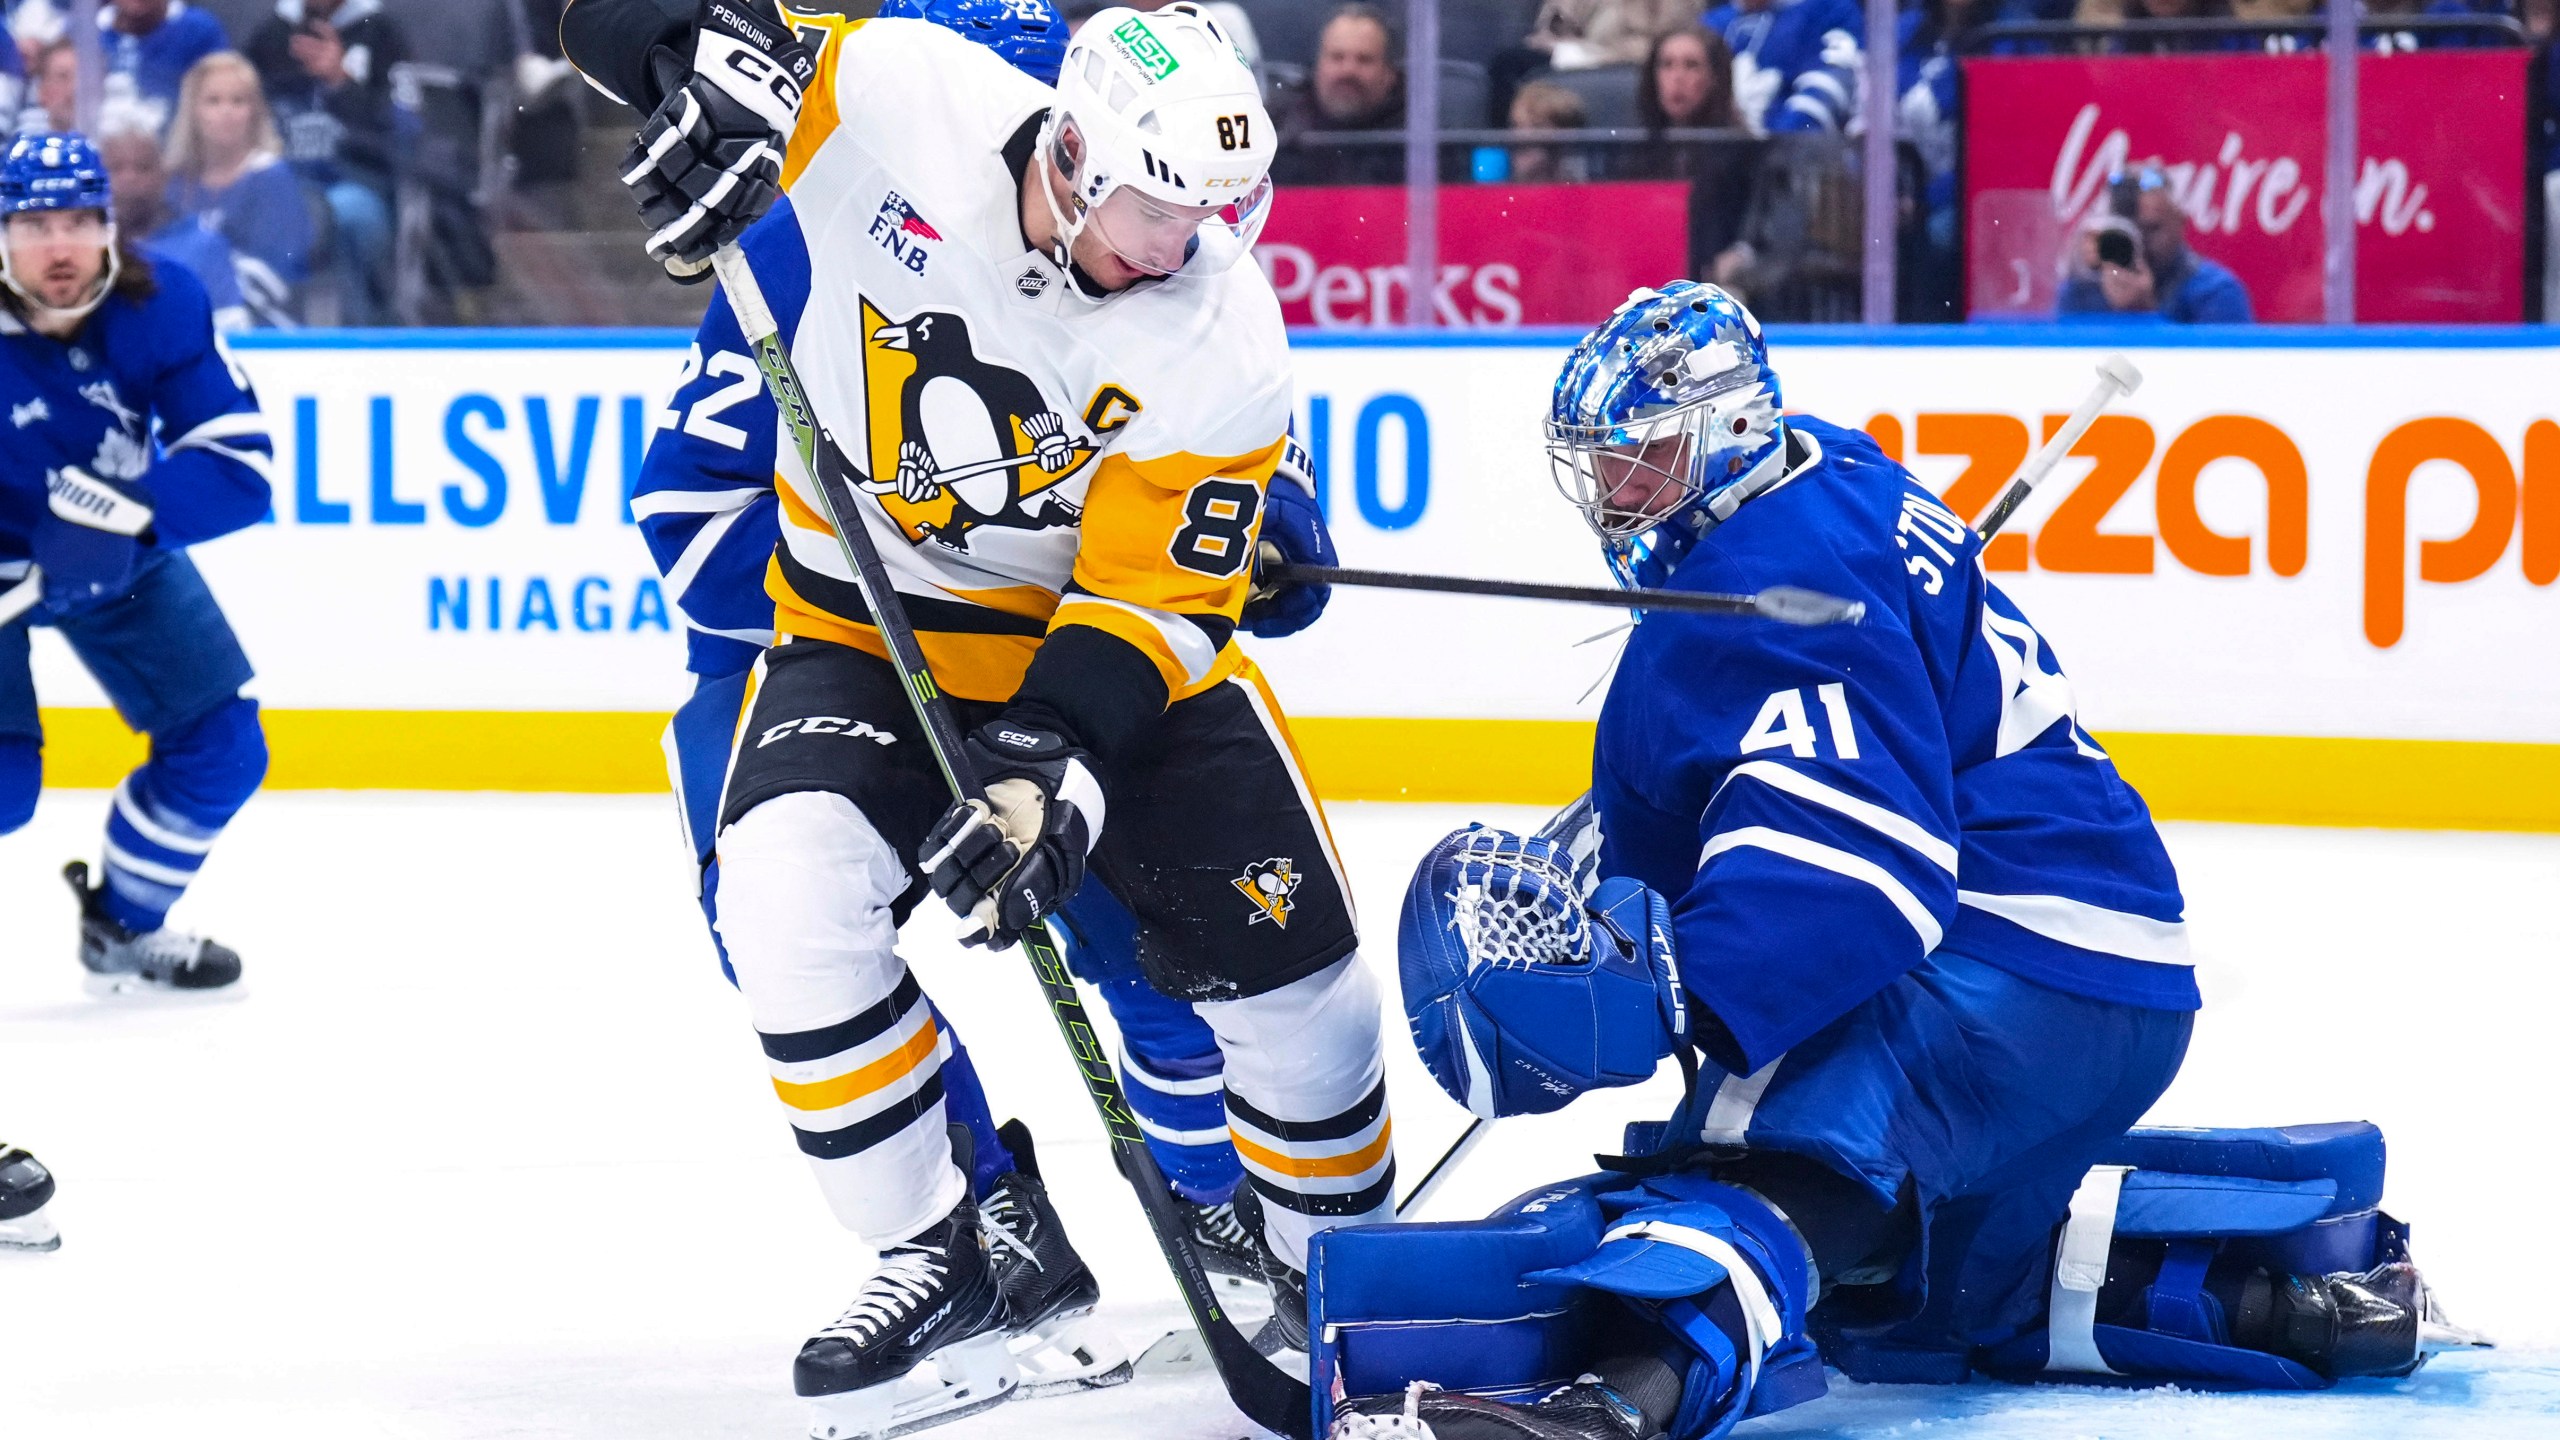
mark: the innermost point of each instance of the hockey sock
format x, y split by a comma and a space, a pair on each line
965, 1102
167, 814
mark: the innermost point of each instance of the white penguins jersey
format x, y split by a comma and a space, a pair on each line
1027, 459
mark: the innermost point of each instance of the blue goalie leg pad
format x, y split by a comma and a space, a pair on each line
2181, 1249
1563, 1279
167, 814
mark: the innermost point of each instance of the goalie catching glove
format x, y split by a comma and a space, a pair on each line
1521, 992
708, 163
1005, 862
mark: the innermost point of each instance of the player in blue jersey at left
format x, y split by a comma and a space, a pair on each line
1920, 951
707, 507
131, 437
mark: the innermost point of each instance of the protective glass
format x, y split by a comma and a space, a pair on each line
1628, 478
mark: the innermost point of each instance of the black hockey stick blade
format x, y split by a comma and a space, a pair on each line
1784, 603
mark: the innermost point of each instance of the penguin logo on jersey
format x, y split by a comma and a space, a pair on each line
1269, 884
960, 443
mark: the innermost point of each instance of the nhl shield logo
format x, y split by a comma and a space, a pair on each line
1269, 884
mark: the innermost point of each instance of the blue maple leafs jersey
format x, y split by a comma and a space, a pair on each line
143, 393
1796, 63
1825, 806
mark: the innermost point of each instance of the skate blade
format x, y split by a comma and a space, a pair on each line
30, 1234
959, 1380
1069, 1354
134, 990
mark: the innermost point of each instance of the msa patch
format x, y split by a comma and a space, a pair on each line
902, 232
1144, 50
1269, 884
826, 725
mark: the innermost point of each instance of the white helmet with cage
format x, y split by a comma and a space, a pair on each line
1161, 136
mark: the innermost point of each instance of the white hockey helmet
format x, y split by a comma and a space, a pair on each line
1161, 136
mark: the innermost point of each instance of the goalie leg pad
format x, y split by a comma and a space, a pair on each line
1561, 1280
2217, 1259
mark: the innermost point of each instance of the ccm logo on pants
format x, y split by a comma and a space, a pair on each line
826, 725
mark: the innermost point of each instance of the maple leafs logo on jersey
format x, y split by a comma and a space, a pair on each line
959, 443
1269, 884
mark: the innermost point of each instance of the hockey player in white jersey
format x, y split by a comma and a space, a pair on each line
1058, 396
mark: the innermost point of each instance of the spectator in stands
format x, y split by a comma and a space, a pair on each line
2155, 275
1357, 84
1544, 105
57, 79
463, 60
1927, 120
327, 67
1587, 34
2174, 44
150, 45
141, 184
2282, 42
1687, 84
1796, 63
227, 168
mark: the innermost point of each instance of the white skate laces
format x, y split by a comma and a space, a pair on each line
998, 1217
1352, 1425
908, 1276
1220, 1222
161, 951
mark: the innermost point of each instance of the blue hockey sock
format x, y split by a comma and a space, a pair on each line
167, 814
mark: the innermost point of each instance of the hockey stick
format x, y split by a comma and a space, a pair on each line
1268, 1397
1432, 1180
21, 595
2116, 376
1779, 602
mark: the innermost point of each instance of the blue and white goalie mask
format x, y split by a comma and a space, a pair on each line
1668, 414
1521, 992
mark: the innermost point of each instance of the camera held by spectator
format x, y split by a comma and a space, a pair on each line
2134, 262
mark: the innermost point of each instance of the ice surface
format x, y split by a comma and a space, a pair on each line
486, 1148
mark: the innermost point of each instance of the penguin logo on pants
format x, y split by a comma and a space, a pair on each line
959, 443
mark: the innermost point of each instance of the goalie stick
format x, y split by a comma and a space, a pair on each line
1269, 1397
2116, 376
1786, 603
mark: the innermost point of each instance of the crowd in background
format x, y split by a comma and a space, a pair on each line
405, 161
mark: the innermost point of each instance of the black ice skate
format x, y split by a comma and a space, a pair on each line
924, 1341
163, 961
1049, 1292
1287, 1327
1228, 1252
25, 1186
2382, 1322
1584, 1410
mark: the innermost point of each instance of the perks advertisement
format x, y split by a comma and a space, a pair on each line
1510, 255
2243, 140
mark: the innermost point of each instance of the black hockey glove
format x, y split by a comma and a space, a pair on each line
1005, 862
708, 163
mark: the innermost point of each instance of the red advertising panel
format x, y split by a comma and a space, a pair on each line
1509, 254
2243, 139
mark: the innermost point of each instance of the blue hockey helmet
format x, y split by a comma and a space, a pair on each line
54, 172
57, 172
1668, 412
1027, 33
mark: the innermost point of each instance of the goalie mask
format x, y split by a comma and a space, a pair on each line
1161, 137
1664, 421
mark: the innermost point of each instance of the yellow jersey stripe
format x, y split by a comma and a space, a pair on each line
869, 1079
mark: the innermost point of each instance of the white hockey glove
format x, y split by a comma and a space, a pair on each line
1005, 862
708, 163
19, 593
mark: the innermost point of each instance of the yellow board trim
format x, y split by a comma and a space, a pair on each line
2271, 779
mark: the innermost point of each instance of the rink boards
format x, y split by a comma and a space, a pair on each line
2292, 579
